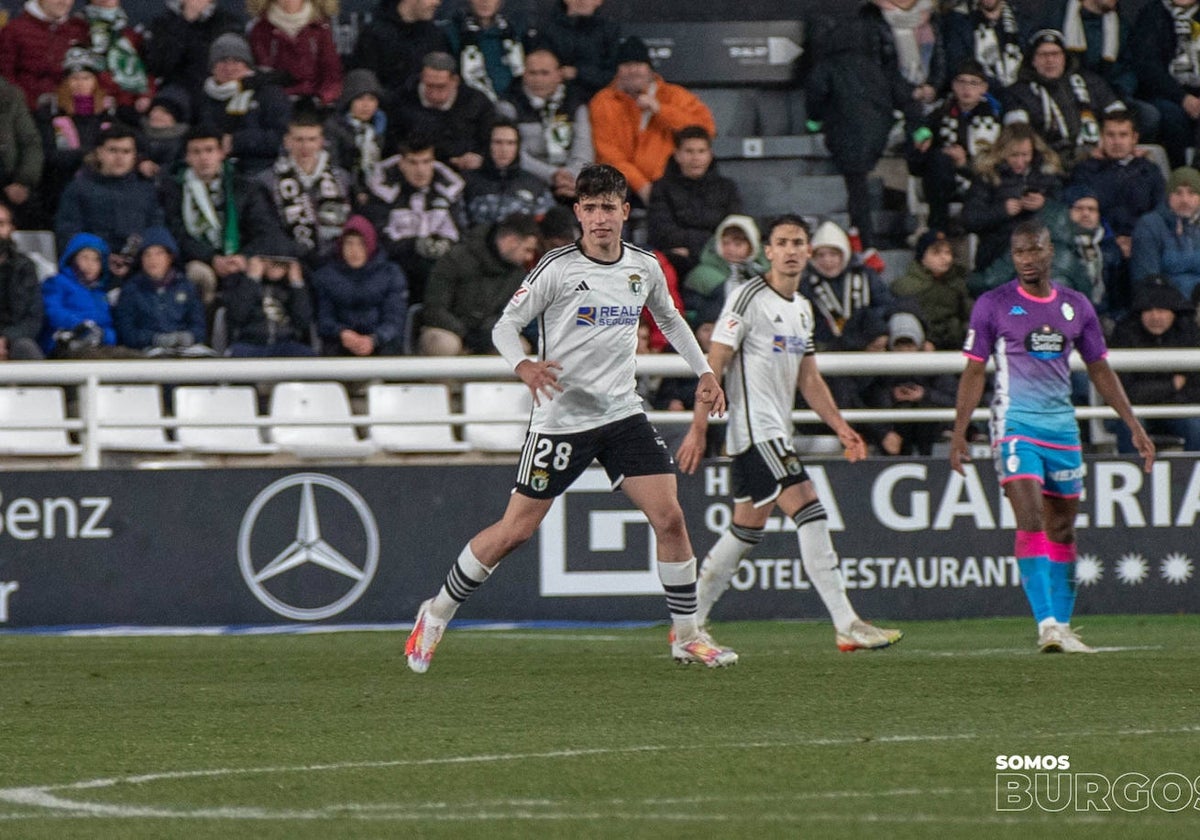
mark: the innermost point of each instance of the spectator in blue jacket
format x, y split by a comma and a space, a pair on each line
362, 298
79, 321
1167, 239
1127, 184
109, 198
160, 310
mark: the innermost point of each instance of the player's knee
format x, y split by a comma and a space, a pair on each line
669, 524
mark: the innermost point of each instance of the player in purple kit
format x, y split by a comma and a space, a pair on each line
1030, 325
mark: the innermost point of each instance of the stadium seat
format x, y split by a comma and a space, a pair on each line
227, 403
127, 403
315, 401
34, 405
496, 399
429, 402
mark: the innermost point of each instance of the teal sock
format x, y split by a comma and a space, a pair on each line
1035, 580
1062, 590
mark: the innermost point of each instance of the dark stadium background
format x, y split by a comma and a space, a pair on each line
624, 10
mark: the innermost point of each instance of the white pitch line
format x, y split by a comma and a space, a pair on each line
1018, 651
43, 797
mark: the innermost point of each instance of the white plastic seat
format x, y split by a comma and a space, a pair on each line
431, 402
127, 403
33, 405
315, 401
496, 399
227, 403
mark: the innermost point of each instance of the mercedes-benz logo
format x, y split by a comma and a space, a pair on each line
308, 547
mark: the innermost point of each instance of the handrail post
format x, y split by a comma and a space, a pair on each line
89, 408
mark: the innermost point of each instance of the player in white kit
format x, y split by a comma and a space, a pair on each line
763, 345
588, 298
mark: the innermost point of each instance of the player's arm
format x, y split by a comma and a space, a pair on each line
677, 331
527, 303
816, 393
691, 449
1110, 388
970, 391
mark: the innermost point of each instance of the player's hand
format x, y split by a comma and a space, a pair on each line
541, 378
855, 447
1144, 446
691, 451
959, 452
709, 393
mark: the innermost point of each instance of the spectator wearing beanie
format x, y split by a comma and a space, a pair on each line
161, 133
355, 135
936, 284
634, 118
1160, 318
178, 41
949, 139
1167, 239
249, 110
1100, 269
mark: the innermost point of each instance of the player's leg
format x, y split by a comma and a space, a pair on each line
655, 496
548, 465
1060, 506
1032, 550
756, 486
721, 562
820, 562
474, 564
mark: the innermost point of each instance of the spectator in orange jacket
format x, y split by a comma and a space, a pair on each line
634, 118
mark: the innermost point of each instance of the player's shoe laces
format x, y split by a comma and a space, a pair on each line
423, 640
1050, 639
864, 636
701, 649
1071, 643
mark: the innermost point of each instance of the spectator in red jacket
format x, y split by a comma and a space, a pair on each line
295, 39
33, 44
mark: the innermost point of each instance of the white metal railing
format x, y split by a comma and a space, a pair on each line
89, 375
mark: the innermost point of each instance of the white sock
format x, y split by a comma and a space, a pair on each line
720, 565
465, 576
679, 582
821, 565
1049, 622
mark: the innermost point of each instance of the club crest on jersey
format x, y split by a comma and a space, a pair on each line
636, 284
539, 480
1045, 343
1068, 311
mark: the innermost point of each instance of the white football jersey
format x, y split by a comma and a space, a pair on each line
770, 334
587, 313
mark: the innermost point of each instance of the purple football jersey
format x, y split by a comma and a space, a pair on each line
1031, 339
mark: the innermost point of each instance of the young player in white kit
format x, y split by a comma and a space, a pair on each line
588, 298
763, 344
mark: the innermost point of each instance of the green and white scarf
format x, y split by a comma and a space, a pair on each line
112, 45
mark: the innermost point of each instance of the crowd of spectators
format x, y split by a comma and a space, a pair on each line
204, 161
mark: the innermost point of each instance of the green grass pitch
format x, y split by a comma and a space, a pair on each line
589, 733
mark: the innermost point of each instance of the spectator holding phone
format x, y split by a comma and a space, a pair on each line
1014, 181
